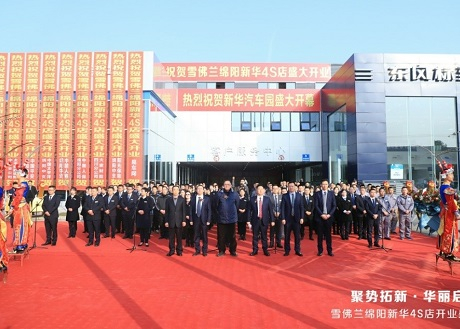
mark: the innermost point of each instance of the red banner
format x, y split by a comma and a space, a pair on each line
15, 114
99, 120
82, 121
279, 100
3, 76
117, 119
135, 118
231, 72
31, 110
47, 175
65, 120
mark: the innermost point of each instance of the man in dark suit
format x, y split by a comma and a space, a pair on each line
174, 220
110, 212
51, 215
200, 214
325, 206
84, 212
361, 213
94, 206
308, 208
119, 217
292, 218
32, 192
261, 216
129, 204
275, 231
373, 209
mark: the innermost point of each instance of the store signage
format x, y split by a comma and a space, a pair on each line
423, 73
396, 171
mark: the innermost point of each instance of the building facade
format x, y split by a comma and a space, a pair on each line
98, 118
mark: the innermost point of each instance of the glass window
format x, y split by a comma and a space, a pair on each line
309, 121
263, 85
245, 121
220, 85
419, 129
229, 85
276, 116
314, 121
187, 85
276, 126
246, 116
201, 85
295, 121
211, 85
245, 126
236, 121
290, 85
282, 85
265, 119
256, 125
272, 85
285, 121
338, 152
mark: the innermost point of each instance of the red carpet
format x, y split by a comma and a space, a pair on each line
73, 286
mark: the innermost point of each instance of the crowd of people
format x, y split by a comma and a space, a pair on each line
273, 212
185, 213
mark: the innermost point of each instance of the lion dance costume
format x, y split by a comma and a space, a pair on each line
22, 220
448, 228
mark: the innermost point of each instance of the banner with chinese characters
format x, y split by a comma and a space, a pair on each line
134, 136
117, 119
169, 97
48, 121
65, 121
14, 125
82, 121
231, 72
282, 100
31, 111
99, 120
3, 78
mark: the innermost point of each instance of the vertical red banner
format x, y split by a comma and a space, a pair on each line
15, 114
117, 118
47, 175
99, 120
31, 110
135, 124
65, 121
3, 76
82, 121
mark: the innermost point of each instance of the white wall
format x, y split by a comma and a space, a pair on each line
208, 136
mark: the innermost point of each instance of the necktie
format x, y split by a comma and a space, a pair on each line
373, 202
276, 202
324, 202
292, 204
51, 197
109, 199
198, 208
260, 207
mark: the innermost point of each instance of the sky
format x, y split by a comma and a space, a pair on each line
288, 31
